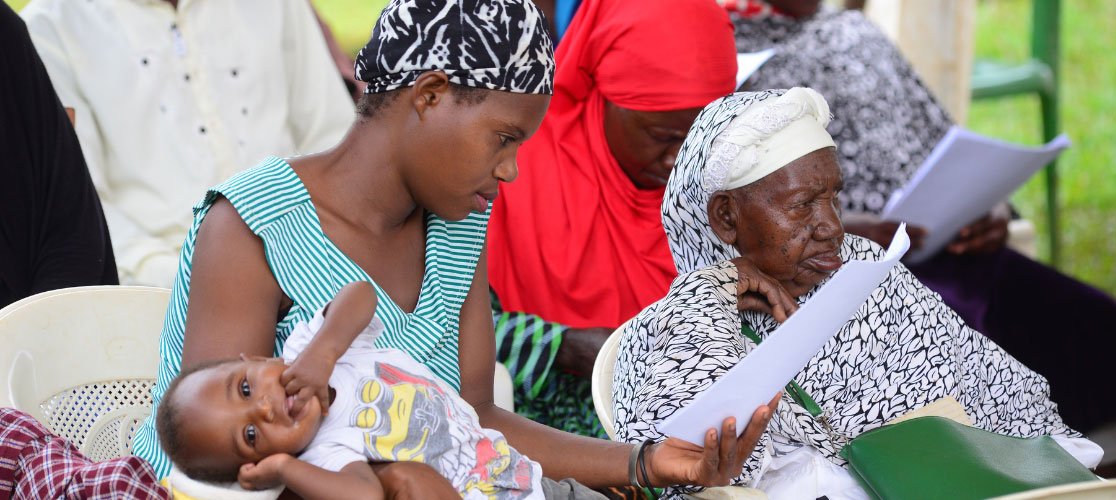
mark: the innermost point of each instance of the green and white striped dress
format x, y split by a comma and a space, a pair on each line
311, 269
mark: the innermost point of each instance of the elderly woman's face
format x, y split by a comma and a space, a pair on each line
645, 143
789, 224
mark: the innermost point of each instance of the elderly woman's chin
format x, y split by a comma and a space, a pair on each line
812, 274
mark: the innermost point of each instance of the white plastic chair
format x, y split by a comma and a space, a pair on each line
82, 361
1089, 490
602, 379
502, 388
603, 368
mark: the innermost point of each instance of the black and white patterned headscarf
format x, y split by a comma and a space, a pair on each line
490, 44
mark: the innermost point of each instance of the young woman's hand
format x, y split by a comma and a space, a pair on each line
308, 377
675, 461
266, 474
413, 480
756, 291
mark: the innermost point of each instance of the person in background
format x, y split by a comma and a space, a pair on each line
885, 123
52, 231
171, 96
576, 243
342, 60
37, 464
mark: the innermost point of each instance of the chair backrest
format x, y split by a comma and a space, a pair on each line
502, 388
83, 361
1088, 490
602, 379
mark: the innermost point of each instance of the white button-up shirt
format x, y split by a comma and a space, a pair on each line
170, 102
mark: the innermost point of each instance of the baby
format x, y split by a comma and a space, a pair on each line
336, 402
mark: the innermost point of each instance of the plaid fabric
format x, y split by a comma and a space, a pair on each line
35, 464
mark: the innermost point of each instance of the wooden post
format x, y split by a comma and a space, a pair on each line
937, 38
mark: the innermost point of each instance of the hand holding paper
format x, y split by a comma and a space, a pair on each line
961, 180
764, 372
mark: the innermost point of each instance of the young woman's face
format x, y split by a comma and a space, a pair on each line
645, 143
789, 223
467, 149
240, 412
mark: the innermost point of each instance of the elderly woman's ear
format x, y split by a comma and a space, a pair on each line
723, 213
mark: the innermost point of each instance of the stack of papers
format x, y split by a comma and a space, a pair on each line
769, 367
962, 179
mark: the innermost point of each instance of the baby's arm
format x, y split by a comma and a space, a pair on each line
309, 481
344, 318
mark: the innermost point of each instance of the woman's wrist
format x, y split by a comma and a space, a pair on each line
655, 478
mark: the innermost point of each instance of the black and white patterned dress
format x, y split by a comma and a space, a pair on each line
902, 349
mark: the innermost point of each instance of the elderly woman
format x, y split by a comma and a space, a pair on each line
752, 217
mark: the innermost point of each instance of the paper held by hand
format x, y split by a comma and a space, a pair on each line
961, 180
769, 367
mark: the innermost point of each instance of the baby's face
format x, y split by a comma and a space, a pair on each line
239, 412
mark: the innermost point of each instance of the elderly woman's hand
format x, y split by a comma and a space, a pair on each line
988, 234
756, 291
675, 461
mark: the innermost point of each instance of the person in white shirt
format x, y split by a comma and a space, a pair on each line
173, 96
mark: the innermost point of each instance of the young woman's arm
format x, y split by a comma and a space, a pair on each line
593, 462
234, 299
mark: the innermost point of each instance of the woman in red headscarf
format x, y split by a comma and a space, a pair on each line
576, 244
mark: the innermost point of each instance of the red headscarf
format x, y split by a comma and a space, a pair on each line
572, 239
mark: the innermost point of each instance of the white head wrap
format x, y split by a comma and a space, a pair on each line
736, 140
766, 137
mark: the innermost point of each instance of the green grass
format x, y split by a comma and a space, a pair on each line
350, 20
1087, 189
1088, 101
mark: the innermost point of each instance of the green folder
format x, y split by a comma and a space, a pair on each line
934, 457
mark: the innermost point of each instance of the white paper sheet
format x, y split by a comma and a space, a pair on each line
769, 367
963, 178
748, 62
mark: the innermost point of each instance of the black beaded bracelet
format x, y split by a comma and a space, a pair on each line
643, 463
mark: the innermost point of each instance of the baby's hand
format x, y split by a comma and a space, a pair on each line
266, 474
308, 377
